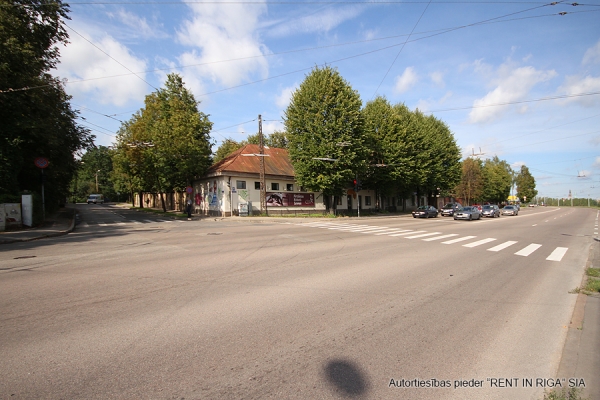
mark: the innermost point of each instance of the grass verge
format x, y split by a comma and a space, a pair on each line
564, 394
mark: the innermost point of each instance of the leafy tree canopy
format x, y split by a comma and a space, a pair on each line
525, 185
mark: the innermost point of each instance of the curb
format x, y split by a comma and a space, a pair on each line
43, 236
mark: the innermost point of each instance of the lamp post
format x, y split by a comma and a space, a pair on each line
97, 180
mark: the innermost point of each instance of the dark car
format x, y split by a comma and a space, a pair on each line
490, 210
448, 209
425, 212
468, 212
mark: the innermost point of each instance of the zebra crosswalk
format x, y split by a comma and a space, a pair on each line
466, 241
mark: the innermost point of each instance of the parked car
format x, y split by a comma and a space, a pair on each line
467, 212
448, 209
490, 210
510, 210
479, 207
532, 205
425, 212
95, 198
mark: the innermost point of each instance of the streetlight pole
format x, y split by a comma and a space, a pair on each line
97, 180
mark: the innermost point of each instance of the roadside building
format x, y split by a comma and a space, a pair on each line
233, 185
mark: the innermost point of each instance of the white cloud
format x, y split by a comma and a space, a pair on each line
272, 126
283, 99
82, 61
511, 84
323, 21
218, 33
596, 163
516, 166
592, 55
576, 84
445, 97
423, 106
407, 80
140, 26
438, 78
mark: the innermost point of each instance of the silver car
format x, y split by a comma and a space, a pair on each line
510, 210
468, 212
490, 210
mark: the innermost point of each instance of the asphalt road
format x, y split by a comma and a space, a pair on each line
137, 306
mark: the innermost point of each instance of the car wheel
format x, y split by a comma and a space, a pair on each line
470, 217
455, 218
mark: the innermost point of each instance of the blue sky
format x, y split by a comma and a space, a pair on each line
514, 79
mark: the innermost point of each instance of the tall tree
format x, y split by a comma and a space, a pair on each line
470, 186
525, 185
497, 180
37, 119
324, 120
169, 139
227, 147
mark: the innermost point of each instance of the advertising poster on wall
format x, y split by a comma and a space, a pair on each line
281, 199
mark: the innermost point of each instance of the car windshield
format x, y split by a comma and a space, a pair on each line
422, 208
466, 209
508, 207
487, 207
449, 205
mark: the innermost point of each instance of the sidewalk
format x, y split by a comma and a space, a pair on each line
58, 224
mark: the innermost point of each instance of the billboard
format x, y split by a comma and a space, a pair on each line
281, 199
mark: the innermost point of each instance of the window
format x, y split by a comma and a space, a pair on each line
240, 184
367, 200
274, 186
290, 187
257, 185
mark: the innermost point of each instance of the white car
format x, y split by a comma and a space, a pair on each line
510, 210
95, 198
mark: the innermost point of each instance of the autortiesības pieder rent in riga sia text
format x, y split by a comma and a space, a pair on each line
434, 383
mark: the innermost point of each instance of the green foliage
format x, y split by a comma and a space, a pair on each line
525, 184
471, 184
324, 120
497, 180
96, 163
564, 394
227, 147
166, 144
39, 121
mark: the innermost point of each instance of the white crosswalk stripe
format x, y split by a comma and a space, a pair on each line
423, 235
393, 231
502, 246
440, 237
528, 250
557, 254
479, 242
410, 232
462, 239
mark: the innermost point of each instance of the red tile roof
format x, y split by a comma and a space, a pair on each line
277, 163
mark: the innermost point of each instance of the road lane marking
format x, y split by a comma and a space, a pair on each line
102, 224
406, 233
528, 250
84, 224
557, 254
459, 239
136, 222
479, 242
502, 246
386, 230
394, 231
423, 235
121, 223
441, 237
148, 220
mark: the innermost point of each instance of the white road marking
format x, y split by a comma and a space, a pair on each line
364, 228
528, 250
84, 224
459, 240
136, 222
394, 231
406, 233
148, 220
121, 223
386, 230
441, 237
102, 224
423, 235
502, 246
164, 220
557, 254
479, 242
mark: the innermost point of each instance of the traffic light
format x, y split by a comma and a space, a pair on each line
355, 183
358, 185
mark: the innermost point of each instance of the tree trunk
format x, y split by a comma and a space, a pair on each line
141, 196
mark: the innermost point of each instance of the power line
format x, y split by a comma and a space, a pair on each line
310, 2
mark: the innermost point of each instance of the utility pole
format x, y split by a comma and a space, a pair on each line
261, 147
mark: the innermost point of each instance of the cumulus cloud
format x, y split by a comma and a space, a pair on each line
82, 61
511, 84
576, 85
320, 22
596, 163
139, 26
406, 81
592, 55
283, 99
216, 34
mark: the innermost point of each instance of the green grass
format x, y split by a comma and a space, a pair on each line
564, 394
592, 285
595, 272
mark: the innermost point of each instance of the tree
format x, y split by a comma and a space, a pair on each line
96, 165
497, 180
37, 119
166, 143
324, 120
277, 139
525, 184
471, 183
227, 147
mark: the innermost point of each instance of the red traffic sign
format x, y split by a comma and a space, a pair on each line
189, 189
41, 162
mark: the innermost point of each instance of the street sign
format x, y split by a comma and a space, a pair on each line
189, 189
41, 162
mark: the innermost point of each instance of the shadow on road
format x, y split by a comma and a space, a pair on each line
346, 378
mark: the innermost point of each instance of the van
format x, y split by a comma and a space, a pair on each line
95, 198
